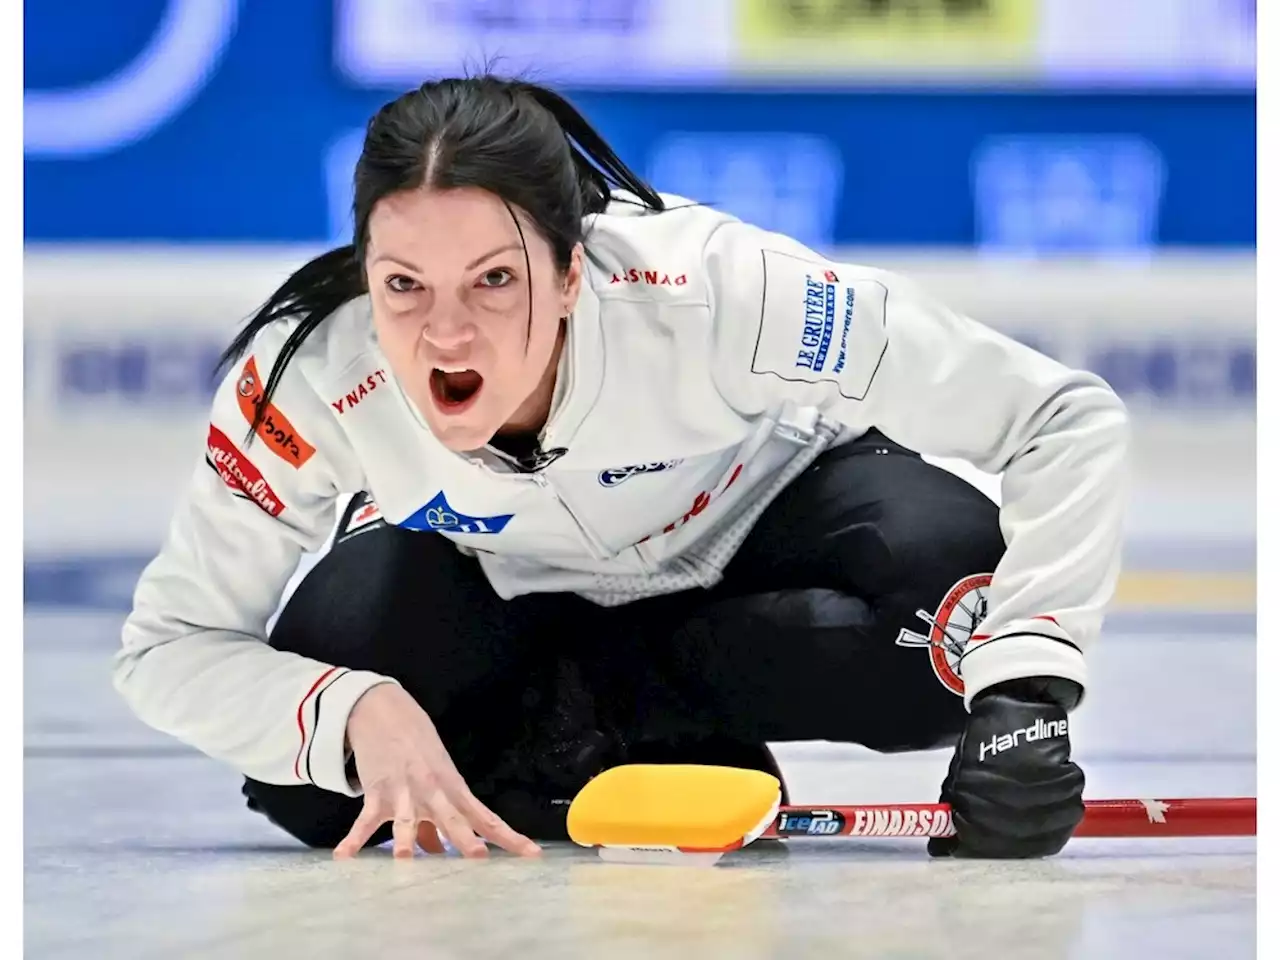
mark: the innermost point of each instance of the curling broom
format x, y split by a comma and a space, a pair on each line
696, 813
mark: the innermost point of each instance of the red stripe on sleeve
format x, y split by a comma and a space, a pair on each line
302, 731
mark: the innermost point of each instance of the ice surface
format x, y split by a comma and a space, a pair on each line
137, 848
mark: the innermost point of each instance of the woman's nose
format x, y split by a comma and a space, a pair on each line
448, 330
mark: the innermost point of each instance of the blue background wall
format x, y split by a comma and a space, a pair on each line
253, 156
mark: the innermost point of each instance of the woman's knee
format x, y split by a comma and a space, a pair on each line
946, 537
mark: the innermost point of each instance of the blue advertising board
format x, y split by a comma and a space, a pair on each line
227, 122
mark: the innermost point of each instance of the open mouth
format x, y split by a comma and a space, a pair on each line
454, 390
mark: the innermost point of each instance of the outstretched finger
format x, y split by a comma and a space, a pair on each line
366, 825
404, 826
494, 829
455, 827
404, 835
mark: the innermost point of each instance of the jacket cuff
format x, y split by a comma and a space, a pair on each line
1027, 648
326, 753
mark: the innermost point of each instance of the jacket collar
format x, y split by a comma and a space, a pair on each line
581, 375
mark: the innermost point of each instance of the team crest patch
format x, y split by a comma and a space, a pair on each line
817, 328
951, 627
437, 514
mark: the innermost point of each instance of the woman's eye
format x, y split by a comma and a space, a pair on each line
496, 278
398, 283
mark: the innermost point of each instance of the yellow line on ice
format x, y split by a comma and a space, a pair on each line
1172, 590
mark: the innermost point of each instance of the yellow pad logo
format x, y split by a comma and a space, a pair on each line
860, 36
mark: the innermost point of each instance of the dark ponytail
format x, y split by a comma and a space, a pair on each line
520, 141
313, 292
599, 169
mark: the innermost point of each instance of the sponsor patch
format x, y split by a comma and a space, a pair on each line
616, 475
700, 503
650, 278
361, 390
438, 515
275, 429
814, 328
239, 474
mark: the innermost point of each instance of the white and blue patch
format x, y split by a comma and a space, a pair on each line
616, 475
437, 515
816, 327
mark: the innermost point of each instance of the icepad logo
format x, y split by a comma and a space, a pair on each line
439, 516
810, 823
138, 98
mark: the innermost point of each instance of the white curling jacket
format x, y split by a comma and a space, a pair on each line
708, 363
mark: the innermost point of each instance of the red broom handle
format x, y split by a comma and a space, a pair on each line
1212, 817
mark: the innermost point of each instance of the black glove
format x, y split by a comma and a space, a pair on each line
1013, 790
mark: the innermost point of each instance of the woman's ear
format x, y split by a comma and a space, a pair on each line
573, 279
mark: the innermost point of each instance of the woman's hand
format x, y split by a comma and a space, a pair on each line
409, 780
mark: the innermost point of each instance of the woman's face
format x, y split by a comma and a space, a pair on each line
451, 293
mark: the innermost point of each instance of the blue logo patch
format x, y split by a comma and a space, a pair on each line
437, 515
813, 823
616, 475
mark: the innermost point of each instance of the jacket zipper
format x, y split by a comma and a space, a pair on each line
594, 544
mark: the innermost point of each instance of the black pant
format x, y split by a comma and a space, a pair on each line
820, 630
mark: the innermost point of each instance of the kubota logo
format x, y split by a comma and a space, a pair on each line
275, 428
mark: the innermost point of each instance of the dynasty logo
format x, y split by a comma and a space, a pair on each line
362, 390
